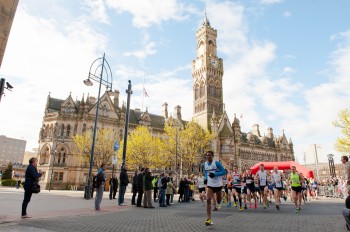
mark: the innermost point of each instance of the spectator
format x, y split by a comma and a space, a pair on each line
346, 211
147, 185
100, 188
32, 177
139, 187
134, 189
113, 187
345, 160
124, 181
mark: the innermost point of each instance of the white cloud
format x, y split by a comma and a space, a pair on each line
288, 70
149, 12
43, 56
287, 14
267, 2
97, 10
149, 48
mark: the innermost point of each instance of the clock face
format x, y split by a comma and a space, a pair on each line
198, 63
214, 62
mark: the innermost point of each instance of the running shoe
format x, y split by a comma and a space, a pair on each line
229, 204
255, 206
245, 207
209, 222
297, 210
250, 205
277, 207
241, 208
284, 197
234, 204
215, 209
219, 206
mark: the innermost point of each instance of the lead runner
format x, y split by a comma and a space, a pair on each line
213, 171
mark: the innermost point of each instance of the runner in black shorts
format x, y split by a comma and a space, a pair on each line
248, 179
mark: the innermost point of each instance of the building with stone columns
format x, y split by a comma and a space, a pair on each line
230, 145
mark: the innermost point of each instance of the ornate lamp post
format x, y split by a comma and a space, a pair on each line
129, 92
95, 66
331, 165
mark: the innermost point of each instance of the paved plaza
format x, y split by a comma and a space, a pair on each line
69, 211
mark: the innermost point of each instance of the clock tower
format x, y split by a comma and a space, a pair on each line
207, 72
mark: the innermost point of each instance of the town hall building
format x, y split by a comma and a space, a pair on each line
64, 118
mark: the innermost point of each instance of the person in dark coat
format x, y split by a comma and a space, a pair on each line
134, 189
124, 181
113, 187
139, 187
182, 186
32, 176
147, 185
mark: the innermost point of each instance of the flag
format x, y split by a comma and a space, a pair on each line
145, 94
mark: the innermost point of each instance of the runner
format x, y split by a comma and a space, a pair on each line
237, 187
262, 174
304, 186
248, 179
295, 182
278, 180
213, 171
229, 188
314, 187
201, 187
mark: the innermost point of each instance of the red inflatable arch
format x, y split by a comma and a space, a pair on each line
285, 165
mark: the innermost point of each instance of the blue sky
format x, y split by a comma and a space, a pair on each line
286, 62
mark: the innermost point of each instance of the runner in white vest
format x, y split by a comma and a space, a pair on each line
213, 171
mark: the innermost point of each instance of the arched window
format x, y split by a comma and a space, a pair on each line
75, 130
68, 131
62, 130
202, 90
196, 92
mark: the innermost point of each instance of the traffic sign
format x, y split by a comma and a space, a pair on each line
114, 159
116, 146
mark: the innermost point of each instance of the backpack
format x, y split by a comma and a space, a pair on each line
159, 184
98, 179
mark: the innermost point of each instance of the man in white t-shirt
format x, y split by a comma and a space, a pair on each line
213, 171
262, 175
277, 177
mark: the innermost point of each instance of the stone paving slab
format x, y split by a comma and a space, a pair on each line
320, 215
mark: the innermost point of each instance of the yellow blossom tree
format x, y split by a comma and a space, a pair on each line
103, 151
343, 122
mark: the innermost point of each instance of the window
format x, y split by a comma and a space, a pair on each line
68, 131
62, 130
84, 127
75, 130
58, 176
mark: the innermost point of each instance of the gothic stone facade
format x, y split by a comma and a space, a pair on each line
230, 145
63, 119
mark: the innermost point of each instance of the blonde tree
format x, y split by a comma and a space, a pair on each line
343, 122
193, 141
103, 151
143, 149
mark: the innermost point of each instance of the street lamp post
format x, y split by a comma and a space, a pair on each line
331, 165
54, 157
129, 92
316, 160
108, 83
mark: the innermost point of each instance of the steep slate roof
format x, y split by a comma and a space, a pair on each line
270, 142
55, 104
157, 121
